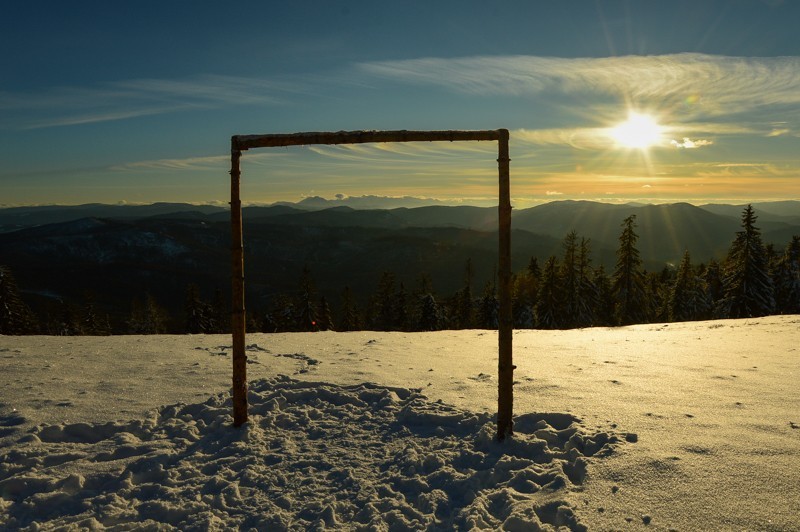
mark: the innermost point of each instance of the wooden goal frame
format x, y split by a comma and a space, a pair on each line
240, 143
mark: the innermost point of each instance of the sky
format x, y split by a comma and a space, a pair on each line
136, 102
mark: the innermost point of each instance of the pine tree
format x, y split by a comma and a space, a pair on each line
282, 316
384, 303
628, 282
464, 313
586, 297
430, 317
533, 268
687, 299
307, 316
549, 302
748, 289
568, 279
147, 316
198, 312
787, 279
402, 320
220, 315
714, 291
657, 290
349, 320
15, 316
603, 310
488, 308
525, 292
522, 300
325, 320
253, 322
69, 323
91, 323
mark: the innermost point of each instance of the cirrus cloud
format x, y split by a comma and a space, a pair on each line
701, 81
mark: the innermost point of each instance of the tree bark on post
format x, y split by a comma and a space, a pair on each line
505, 386
237, 286
241, 143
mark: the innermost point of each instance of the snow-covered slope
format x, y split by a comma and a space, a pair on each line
684, 426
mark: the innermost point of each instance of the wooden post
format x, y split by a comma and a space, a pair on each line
241, 143
237, 286
505, 386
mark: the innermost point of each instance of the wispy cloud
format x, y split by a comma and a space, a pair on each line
189, 163
690, 144
778, 129
735, 170
713, 84
580, 138
64, 106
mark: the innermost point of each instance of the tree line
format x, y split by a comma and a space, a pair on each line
566, 292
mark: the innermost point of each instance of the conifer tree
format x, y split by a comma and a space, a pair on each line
307, 317
283, 315
687, 299
426, 312
657, 290
522, 300
69, 322
568, 279
628, 282
91, 322
147, 316
464, 313
430, 317
748, 289
15, 316
350, 320
198, 312
402, 320
253, 322
533, 268
384, 303
576, 284
549, 302
586, 298
220, 315
325, 320
787, 279
714, 291
525, 290
603, 310
488, 308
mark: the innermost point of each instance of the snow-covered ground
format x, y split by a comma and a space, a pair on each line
686, 426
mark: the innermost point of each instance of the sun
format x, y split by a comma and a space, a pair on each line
639, 131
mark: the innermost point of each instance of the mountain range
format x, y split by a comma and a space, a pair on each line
119, 251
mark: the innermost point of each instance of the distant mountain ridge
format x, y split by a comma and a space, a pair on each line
665, 230
121, 250
13, 218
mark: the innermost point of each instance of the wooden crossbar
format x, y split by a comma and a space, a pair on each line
240, 143
246, 142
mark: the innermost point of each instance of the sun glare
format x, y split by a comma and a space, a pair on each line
639, 132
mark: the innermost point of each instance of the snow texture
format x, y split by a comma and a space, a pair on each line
688, 426
313, 455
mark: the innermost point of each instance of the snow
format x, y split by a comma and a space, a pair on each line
678, 426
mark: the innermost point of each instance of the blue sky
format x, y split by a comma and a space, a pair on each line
136, 102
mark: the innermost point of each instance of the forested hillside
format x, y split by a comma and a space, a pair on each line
166, 267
